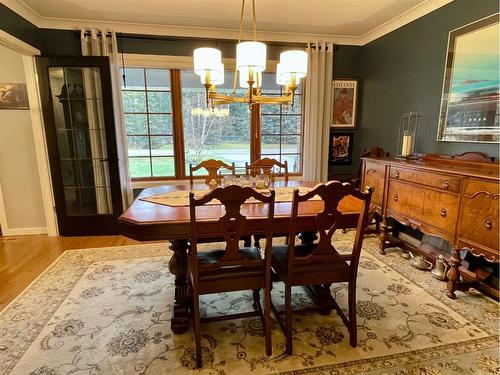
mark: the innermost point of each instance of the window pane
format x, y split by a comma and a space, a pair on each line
224, 135
159, 102
160, 124
163, 167
138, 145
297, 106
134, 79
270, 125
162, 146
270, 144
134, 101
136, 124
290, 144
271, 109
139, 167
291, 124
158, 79
293, 162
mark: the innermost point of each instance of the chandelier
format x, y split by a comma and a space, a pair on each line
250, 64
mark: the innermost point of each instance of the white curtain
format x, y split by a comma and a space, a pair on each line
103, 43
318, 108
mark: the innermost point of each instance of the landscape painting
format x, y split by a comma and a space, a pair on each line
470, 100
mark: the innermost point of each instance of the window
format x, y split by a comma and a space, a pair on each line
148, 122
168, 125
281, 127
223, 133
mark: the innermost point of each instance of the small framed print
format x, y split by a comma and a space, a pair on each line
345, 103
13, 96
340, 148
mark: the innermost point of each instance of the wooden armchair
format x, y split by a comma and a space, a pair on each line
266, 166
212, 166
320, 263
231, 268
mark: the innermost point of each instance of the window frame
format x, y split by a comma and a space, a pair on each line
175, 64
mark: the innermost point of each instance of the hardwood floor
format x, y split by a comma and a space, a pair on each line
23, 258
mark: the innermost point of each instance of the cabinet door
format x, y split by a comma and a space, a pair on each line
79, 127
479, 219
374, 177
399, 198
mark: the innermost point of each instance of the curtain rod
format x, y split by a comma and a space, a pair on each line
190, 39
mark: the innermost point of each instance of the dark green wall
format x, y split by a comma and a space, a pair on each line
403, 71
49, 41
400, 72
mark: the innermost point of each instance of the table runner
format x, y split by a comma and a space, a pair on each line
181, 198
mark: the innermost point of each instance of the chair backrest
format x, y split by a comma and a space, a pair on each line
232, 224
212, 166
327, 222
266, 166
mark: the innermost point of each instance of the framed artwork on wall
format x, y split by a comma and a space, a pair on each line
470, 97
340, 148
13, 96
344, 103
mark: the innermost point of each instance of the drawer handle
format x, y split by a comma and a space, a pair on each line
446, 185
488, 225
397, 174
443, 212
396, 197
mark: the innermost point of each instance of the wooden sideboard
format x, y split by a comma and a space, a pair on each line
453, 197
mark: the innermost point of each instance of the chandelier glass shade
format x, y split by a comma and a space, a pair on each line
251, 58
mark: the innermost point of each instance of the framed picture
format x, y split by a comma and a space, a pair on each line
13, 96
470, 97
345, 103
340, 148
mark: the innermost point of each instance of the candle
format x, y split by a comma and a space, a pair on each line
407, 145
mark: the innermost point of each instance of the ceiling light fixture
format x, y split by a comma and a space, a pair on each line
250, 64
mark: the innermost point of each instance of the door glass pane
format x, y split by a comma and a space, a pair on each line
81, 141
222, 134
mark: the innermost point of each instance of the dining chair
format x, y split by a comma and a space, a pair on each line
212, 166
231, 268
267, 167
320, 263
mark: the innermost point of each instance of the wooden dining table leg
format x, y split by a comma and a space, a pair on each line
179, 322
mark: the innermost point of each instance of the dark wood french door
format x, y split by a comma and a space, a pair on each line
77, 105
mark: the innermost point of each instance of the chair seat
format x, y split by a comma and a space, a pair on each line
208, 258
279, 260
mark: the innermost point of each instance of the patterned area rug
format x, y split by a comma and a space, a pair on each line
106, 311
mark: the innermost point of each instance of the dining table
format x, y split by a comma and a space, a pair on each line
155, 216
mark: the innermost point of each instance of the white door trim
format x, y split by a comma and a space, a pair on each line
28, 53
40, 145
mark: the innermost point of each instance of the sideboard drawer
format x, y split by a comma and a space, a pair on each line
440, 210
437, 180
374, 177
399, 198
479, 219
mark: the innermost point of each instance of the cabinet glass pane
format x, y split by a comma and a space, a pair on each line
78, 114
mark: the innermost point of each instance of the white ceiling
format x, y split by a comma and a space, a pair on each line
337, 20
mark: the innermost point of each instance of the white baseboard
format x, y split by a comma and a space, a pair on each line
23, 231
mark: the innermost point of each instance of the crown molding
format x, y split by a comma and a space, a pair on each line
40, 21
403, 19
17, 45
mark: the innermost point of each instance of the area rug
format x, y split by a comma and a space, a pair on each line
107, 311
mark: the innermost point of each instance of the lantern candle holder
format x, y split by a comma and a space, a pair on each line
409, 127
